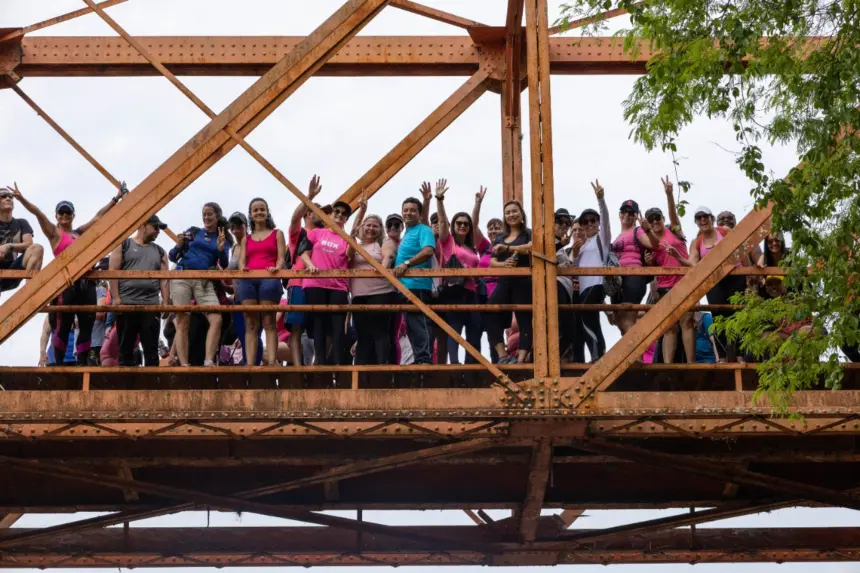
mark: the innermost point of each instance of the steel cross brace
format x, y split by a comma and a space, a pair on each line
193, 499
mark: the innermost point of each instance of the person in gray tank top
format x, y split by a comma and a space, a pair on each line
140, 253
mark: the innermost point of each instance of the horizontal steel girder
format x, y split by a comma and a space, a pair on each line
301, 546
254, 55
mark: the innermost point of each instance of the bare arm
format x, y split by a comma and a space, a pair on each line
674, 220
48, 227
242, 259
43, 342
694, 253
425, 210
282, 251
757, 255
389, 253
422, 256
314, 189
648, 239
359, 217
309, 265
477, 235
115, 264
165, 284
101, 212
444, 224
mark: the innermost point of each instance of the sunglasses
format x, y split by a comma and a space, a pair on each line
461, 223
64, 212
393, 225
340, 213
654, 218
563, 222
589, 221
702, 217
773, 241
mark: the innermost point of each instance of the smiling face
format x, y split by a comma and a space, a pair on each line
411, 214
461, 228
513, 215
705, 222
658, 223
494, 229
577, 231
259, 213
371, 230
590, 225
210, 219
65, 218
150, 233
239, 230
774, 244
393, 229
627, 218
340, 215
562, 224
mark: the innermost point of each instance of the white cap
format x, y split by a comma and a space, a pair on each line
702, 209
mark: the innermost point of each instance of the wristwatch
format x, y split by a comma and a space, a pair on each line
407, 263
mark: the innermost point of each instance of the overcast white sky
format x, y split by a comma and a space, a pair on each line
338, 128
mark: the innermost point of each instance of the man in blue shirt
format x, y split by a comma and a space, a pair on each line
415, 251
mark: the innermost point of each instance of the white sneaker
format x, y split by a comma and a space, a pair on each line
208, 363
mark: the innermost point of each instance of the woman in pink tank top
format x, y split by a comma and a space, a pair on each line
721, 293
61, 234
263, 249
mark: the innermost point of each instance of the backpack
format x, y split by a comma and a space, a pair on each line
611, 283
126, 244
642, 250
453, 262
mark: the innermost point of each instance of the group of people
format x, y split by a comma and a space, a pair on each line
411, 239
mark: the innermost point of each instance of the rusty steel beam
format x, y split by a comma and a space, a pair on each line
56, 20
568, 516
512, 147
189, 162
434, 14
345, 471
65, 135
680, 299
502, 379
573, 24
419, 138
539, 471
9, 519
721, 472
195, 498
302, 546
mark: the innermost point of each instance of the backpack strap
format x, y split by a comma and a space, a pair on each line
600, 249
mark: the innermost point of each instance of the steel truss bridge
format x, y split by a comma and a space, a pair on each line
292, 442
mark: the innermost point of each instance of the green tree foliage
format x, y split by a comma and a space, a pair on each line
782, 72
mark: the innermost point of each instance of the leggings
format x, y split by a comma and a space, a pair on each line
80, 292
565, 320
373, 329
590, 322
577, 336
511, 290
327, 323
471, 320
720, 294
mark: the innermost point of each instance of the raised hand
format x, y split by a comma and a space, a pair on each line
667, 185
222, 239
314, 187
598, 189
16, 193
643, 222
577, 245
362, 201
479, 196
426, 191
441, 188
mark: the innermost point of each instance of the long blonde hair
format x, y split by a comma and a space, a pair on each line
381, 228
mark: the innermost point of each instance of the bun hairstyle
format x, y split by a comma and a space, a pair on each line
269, 223
222, 221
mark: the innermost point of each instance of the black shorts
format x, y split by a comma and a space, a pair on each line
633, 289
16, 264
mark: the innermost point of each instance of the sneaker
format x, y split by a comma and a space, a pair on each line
208, 363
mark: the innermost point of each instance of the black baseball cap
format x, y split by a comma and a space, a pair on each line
653, 211
588, 212
156, 222
393, 217
65, 205
563, 214
239, 218
630, 206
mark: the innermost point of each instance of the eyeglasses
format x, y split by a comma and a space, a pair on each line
589, 221
461, 223
703, 217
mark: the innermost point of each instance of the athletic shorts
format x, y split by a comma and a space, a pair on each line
260, 289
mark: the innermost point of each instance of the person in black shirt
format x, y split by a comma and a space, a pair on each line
17, 249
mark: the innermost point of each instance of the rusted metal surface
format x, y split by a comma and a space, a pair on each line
55, 20
189, 162
573, 24
9, 519
539, 472
434, 14
271, 546
11, 53
419, 138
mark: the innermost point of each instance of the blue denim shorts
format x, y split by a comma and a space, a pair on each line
260, 289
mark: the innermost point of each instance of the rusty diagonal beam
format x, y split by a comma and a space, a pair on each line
191, 498
539, 471
57, 20
501, 378
418, 139
191, 160
720, 472
434, 14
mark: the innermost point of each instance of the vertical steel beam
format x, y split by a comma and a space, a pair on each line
511, 90
418, 138
544, 296
190, 161
541, 465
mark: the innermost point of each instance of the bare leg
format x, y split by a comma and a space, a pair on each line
271, 335
688, 337
182, 321
500, 351
251, 337
213, 335
33, 258
296, 346
284, 353
670, 343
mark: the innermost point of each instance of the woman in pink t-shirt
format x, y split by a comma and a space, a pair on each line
328, 252
457, 243
484, 246
630, 251
264, 248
